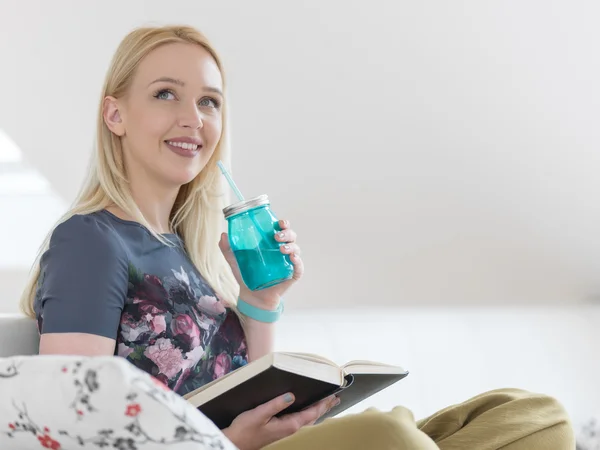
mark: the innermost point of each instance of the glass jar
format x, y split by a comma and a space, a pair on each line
252, 227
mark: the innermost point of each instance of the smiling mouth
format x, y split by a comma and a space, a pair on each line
184, 148
184, 145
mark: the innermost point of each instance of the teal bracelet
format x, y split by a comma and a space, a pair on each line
261, 315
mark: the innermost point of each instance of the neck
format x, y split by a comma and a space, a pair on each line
156, 204
155, 201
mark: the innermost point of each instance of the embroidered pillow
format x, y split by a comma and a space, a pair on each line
73, 402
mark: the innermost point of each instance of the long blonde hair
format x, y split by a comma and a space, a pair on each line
197, 213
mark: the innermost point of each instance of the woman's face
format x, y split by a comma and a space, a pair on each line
170, 118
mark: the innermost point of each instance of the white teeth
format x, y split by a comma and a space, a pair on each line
184, 145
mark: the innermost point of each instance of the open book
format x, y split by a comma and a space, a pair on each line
309, 377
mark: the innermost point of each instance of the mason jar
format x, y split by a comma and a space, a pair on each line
252, 227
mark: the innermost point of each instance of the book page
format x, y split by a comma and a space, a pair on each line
311, 357
363, 366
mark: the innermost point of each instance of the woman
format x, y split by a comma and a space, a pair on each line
134, 268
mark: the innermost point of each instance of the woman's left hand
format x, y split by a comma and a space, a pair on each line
268, 298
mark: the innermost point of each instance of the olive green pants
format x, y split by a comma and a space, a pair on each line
508, 419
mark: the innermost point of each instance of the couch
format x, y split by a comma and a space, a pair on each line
18, 335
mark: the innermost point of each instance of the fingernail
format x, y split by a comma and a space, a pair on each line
281, 235
337, 402
287, 247
333, 405
288, 398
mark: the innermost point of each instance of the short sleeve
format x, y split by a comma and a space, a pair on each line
83, 279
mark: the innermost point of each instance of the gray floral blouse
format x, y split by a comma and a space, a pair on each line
110, 277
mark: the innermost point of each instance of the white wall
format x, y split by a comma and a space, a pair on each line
25, 219
455, 354
407, 141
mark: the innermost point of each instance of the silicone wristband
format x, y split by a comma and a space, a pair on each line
261, 315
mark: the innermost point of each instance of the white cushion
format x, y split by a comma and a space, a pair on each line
73, 402
18, 335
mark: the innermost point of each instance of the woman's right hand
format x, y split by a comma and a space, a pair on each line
257, 428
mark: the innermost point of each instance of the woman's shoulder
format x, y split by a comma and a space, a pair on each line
91, 233
84, 223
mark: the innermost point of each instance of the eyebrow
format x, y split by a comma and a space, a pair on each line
182, 84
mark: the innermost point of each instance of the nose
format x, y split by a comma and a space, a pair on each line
190, 117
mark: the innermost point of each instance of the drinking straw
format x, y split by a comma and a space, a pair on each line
241, 198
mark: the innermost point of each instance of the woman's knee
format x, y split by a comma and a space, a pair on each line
395, 428
538, 404
390, 421
549, 417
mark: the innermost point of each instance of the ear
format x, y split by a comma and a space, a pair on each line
112, 116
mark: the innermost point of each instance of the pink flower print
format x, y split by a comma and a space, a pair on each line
150, 295
242, 348
193, 357
182, 324
211, 304
123, 350
147, 307
182, 378
166, 357
131, 328
158, 324
222, 365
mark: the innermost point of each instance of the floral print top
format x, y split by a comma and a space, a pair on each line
110, 277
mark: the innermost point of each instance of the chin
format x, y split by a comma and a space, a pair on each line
190, 174
180, 174
183, 178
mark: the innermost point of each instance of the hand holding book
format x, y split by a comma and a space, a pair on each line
260, 426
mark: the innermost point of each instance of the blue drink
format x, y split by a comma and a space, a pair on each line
252, 227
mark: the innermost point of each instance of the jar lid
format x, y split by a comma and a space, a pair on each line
245, 205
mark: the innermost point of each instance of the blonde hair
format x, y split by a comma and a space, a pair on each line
197, 213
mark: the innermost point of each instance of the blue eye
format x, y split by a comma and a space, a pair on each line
163, 93
209, 102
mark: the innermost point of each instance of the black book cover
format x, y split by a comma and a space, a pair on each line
264, 387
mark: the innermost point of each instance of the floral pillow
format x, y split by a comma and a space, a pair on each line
73, 402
